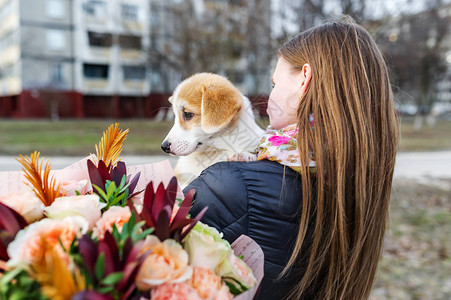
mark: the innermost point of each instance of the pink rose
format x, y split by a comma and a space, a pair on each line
114, 215
167, 262
208, 285
175, 291
278, 140
69, 188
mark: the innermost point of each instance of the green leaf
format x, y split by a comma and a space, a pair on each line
234, 289
106, 290
110, 190
143, 234
100, 266
113, 278
116, 234
101, 193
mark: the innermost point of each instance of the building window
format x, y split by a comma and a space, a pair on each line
55, 9
129, 12
100, 39
56, 73
92, 71
94, 8
56, 40
130, 42
134, 73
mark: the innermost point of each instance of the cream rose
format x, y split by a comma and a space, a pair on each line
28, 246
114, 215
25, 203
167, 263
87, 206
205, 247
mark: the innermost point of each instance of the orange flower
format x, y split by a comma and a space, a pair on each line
114, 215
30, 243
167, 262
208, 285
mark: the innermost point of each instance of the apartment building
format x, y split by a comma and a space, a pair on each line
73, 57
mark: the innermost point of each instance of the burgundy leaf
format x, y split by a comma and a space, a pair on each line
162, 228
4, 242
184, 207
148, 196
159, 202
11, 220
118, 172
171, 192
180, 224
94, 176
88, 250
108, 246
196, 219
91, 295
133, 183
104, 171
128, 246
134, 253
147, 217
132, 266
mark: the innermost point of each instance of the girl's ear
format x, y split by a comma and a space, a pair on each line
306, 74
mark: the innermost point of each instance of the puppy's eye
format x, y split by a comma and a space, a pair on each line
188, 115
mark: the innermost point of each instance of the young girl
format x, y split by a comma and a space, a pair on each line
317, 200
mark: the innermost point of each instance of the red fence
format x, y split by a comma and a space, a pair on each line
51, 104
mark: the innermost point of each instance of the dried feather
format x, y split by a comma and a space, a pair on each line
110, 146
44, 187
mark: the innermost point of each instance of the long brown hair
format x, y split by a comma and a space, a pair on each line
354, 141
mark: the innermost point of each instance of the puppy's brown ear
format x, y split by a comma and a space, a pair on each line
219, 106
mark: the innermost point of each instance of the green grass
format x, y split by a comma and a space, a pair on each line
78, 137
416, 262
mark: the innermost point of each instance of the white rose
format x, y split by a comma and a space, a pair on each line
25, 203
86, 206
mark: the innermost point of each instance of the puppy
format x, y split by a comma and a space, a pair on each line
213, 121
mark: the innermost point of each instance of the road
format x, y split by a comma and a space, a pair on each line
413, 165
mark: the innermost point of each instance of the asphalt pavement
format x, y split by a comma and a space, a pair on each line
411, 165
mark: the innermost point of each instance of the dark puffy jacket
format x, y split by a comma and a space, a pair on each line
260, 199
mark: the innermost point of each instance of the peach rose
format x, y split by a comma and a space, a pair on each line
25, 203
167, 262
114, 215
28, 248
174, 291
208, 285
70, 187
86, 206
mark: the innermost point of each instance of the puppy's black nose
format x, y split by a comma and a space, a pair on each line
166, 146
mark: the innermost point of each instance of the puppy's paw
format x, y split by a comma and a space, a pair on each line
244, 157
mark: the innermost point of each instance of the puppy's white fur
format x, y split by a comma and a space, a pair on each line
216, 131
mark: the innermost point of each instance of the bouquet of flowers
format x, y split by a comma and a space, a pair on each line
103, 238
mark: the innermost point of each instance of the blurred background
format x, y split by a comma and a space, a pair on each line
69, 68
